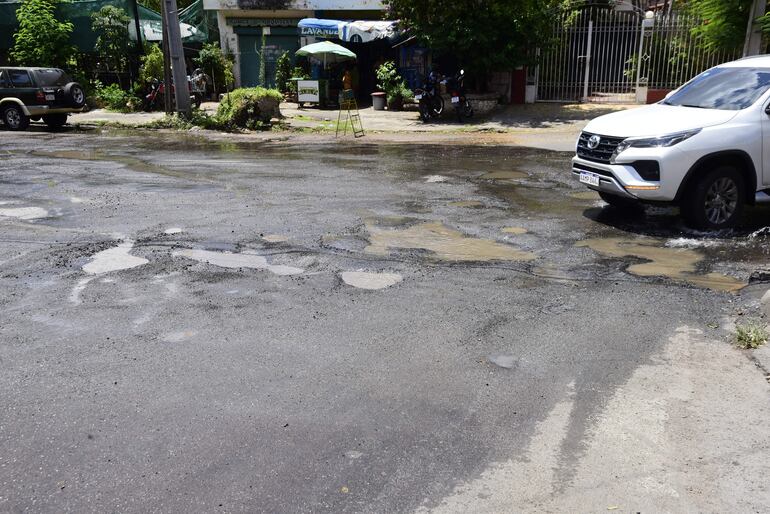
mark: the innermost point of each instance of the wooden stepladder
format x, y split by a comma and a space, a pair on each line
349, 106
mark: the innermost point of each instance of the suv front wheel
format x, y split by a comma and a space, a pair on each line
716, 200
14, 118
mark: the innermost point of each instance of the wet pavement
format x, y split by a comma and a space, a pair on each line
341, 327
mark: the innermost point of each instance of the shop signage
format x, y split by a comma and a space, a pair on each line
320, 32
308, 91
262, 22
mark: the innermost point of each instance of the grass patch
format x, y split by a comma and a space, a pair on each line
751, 335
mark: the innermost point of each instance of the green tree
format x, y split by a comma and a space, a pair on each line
152, 65
283, 73
723, 25
112, 43
217, 65
41, 39
484, 35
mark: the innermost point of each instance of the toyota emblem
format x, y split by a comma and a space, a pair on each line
593, 142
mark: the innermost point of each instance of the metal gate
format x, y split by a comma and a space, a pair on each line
606, 55
588, 59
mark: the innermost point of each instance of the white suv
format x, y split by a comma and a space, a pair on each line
706, 147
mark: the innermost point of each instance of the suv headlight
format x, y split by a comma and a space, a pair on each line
654, 142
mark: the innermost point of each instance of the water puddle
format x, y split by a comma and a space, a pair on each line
433, 179
514, 230
237, 260
504, 175
24, 213
468, 204
675, 263
445, 243
114, 259
371, 281
502, 360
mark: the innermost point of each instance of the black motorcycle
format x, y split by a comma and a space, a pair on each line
429, 98
456, 89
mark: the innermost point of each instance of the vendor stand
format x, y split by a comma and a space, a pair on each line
317, 91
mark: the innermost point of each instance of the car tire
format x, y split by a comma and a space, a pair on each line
620, 203
75, 94
14, 118
716, 200
55, 121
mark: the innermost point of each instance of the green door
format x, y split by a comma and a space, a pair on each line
249, 46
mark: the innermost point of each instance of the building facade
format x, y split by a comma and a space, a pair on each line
253, 30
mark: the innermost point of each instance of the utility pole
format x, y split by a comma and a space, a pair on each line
166, 63
138, 25
176, 52
753, 42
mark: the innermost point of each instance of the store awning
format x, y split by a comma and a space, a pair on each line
359, 31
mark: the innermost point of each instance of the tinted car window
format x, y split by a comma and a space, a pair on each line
730, 89
4, 79
52, 77
20, 78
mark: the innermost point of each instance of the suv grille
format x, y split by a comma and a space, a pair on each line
602, 153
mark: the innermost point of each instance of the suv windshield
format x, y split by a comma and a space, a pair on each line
52, 77
730, 89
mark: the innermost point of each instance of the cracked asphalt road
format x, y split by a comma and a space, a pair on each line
198, 324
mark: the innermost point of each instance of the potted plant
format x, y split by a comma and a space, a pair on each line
393, 88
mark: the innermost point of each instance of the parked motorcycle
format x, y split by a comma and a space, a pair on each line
456, 89
154, 99
429, 98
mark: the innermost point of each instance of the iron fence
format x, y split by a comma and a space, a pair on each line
606, 55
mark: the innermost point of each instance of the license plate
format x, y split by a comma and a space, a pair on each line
455, 99
418, 97
50, 98
592, 179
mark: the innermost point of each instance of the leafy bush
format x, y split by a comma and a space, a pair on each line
751, 335
250, 108
297, 73
283, 73
152, 65
216, 64
392, 84
115, 99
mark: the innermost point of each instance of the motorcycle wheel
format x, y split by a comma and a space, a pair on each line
467, 109
424, 113
438, 105
459, 112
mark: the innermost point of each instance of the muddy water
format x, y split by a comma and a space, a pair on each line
445, 243
514, 230
503, 175
675, 263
